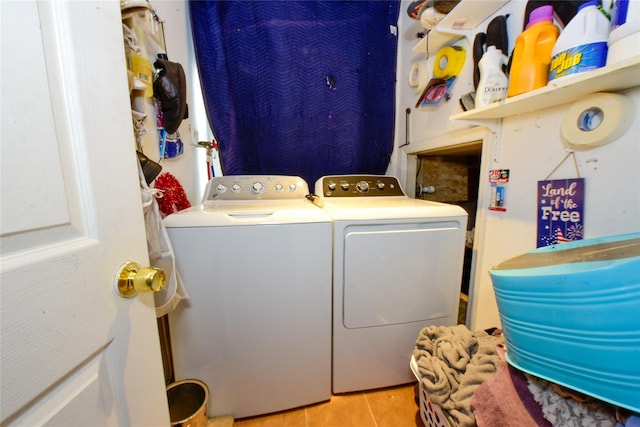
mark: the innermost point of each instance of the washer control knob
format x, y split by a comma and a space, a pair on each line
331, 186
344, 186
220, 188
362, 186
278, 188
292, 187
380, 185
236, 188
257, 188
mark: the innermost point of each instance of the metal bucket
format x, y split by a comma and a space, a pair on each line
188, 403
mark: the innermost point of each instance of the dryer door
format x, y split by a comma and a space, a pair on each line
402, 272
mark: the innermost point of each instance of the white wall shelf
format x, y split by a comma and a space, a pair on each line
458, 23
434, 41
616, 77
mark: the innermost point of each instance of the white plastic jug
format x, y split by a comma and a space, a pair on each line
582, 45
624, 38
493, 83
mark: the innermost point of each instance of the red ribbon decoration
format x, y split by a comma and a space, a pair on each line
173, 198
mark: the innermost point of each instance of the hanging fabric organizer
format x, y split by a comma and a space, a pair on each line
144, 41
299, 88
145, 48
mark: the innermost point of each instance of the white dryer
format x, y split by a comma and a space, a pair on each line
255, 258
397, 267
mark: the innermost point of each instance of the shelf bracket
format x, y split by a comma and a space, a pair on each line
494, 125
496, 148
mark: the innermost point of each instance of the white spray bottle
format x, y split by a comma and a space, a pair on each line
493, 83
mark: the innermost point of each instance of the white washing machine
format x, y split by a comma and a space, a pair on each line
255, 258
397, 267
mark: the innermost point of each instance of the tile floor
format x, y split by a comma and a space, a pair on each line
388, 407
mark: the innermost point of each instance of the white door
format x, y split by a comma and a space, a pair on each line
72, 352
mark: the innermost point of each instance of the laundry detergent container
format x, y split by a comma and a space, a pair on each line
571, 315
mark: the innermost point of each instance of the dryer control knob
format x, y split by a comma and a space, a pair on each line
362, 186
221, 188
344, 186
278, 188
292, 187
257, 188
331, 186
380, 185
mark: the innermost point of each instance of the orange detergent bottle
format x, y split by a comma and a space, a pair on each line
532, 52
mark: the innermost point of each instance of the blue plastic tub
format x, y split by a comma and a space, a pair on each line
571, 314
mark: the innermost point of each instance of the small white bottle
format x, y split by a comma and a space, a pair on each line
493, 83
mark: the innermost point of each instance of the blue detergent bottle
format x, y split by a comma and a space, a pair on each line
582, 45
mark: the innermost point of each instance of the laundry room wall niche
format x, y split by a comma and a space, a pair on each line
451, 175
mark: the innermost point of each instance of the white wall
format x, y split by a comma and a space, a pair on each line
531, 147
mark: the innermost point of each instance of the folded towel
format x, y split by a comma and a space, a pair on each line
504, 400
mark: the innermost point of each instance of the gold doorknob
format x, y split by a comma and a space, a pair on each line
133, 278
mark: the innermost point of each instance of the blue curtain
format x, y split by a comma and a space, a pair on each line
301, 88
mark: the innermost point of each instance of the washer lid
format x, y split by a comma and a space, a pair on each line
247, 213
